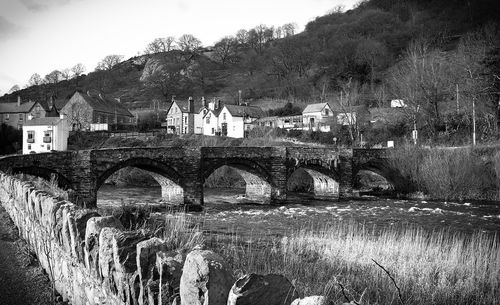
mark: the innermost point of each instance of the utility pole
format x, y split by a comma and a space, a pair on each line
239, 97
473, 121
458, 104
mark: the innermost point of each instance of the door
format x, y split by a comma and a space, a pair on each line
224, 129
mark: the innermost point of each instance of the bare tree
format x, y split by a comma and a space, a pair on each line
349, 99
371, 53
161, 45
225, 50
53, 77
242, 37
78, 69
289, 29
109, 62
35, 80
66, 74
189, 43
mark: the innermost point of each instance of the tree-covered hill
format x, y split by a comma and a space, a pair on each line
357, 46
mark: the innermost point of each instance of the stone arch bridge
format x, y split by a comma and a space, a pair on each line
181, 172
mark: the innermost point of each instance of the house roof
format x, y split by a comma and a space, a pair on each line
183, 105
242, 111
215, 112
13, 108
103, 104
43, 121
315, 107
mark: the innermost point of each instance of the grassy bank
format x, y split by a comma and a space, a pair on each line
450, 174
339, 261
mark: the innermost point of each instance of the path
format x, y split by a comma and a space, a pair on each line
22, 280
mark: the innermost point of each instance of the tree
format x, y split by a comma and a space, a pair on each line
189, 43
14, 89
35, 80
225, 50
53, 77
476, 80
242, 37
167, 74
160, 45
371, 53
66, 74
109, 62
78, 70
288, 29
423, 79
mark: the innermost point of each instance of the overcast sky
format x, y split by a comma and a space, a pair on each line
39, 36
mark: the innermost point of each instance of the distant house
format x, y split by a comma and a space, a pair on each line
398, 104
185, 117
45, 134
236, 121
15, 114
82, 110
318, 117
285, 122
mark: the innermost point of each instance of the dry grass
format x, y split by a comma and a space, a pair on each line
180, 233
430, 267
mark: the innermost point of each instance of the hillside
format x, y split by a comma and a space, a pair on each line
358, 45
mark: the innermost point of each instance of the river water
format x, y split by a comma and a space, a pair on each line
227, 211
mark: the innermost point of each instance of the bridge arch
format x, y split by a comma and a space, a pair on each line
167, 177
258, 182
323, 183
383, 168
45, 173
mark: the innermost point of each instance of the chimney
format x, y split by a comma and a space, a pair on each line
217, 104
190, 105
173, 98
203, 101
51, 103
18, 101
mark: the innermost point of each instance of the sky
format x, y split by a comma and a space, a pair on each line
39, 36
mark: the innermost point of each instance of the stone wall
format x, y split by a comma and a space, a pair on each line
91, 259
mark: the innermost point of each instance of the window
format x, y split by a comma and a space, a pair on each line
224, 116
7, 116
31, 136
47, 136
208, 119
20, 117
213, 131
29, 146
327, 112
48, 146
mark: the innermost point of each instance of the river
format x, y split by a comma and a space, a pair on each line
227, 211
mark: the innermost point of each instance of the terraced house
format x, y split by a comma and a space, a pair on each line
16, 114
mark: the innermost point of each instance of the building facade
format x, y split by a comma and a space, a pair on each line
16, 114
82, 110
45, 134
318, 117
236, 121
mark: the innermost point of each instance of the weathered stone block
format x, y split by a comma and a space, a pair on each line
94, 227
206, 279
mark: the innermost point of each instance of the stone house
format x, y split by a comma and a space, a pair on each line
82, 110
45, 134
16, 114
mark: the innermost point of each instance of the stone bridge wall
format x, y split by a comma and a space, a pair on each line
91, 259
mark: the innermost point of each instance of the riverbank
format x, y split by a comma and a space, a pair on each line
22, 280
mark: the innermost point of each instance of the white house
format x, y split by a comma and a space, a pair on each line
45, 134
211, 122
398, 104
318, 117
235, 121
